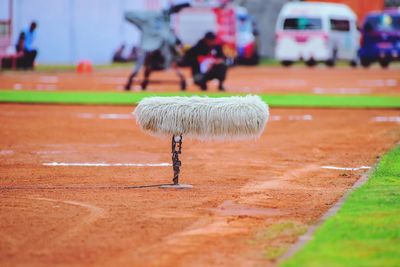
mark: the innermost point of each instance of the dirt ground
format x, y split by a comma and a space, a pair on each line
249, 202
320, 80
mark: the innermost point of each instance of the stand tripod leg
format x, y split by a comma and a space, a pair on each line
176, 163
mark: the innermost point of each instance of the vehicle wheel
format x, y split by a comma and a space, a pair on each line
365, 63
254, 60
384, 63
330, 63
311, 63
286, 63
353, 63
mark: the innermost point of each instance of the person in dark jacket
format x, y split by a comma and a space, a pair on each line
20, 49
29, 51
207, 62
20, 46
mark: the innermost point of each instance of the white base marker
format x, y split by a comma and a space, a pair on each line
91, 164
345, 168
176, 186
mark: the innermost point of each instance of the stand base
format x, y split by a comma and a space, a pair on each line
176, 186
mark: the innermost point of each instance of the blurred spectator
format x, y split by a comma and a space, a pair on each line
20, 49
119, 54
20, 46
29, 51
207, 62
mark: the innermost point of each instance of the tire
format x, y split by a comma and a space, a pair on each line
365, 63
286, 63
353, 63
384, 63
254, 60
311, 63
330, 63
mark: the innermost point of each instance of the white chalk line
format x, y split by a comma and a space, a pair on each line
94, 164
95, 214
305, 238
306, 117
115, 116
49, 152
45, 87
341, 90
6, 152
346, 168
105, 116
48, 79
112, 80
378, 83
386, 119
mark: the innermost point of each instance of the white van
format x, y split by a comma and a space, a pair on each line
316, 32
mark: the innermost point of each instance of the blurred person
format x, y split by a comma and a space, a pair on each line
207, 62
158, 44
20, 45
156, 60
30, 52
20, 49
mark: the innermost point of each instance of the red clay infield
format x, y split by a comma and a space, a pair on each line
250, 199
320, 80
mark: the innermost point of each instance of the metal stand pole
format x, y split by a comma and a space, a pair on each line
176, 163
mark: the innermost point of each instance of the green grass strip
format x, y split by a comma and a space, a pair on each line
366, 230
123, 98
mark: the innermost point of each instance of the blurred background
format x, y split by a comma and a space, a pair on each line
73, 30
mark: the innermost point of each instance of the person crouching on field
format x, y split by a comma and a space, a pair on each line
207, 62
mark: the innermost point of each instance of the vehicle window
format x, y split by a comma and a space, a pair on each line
340, 25
302, 24
382, 22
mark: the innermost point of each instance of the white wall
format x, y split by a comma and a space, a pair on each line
72, 30
4, 6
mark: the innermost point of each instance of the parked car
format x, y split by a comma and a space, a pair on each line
316, 32
380, 41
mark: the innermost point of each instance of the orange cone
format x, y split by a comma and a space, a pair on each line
84, 66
